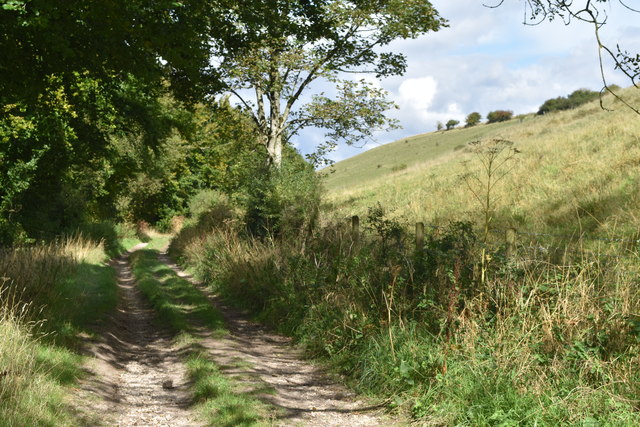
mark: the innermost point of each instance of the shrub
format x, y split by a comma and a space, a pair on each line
284, 200
499, 116
452, 123
574, 100
473, 119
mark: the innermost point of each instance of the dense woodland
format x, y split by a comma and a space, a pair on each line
117, 115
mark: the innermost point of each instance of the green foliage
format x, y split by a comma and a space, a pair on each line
499, 116
452, 123
84, 110
473, 119
283, 201
574, 100
281, 60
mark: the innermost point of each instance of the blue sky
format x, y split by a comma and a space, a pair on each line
488, 60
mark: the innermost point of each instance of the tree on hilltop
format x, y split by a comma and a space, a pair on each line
452, 123
499, 116
271, 74
473, 119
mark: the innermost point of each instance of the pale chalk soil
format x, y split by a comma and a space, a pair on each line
133, 357
135, 376
301, 392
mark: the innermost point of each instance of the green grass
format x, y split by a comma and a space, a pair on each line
577, 173
55, 293
184, 309
383, 161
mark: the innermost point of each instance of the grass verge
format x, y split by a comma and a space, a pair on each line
184, 309
50, 295
539, 343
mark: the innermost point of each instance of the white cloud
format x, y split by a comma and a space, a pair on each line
414, 96
489, 60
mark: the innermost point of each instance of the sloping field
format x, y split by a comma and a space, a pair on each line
576, 171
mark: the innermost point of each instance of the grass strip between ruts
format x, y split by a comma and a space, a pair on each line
183, 308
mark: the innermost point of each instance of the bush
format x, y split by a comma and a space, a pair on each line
283, 201
499, 116
574, 100
452, 123
473, 119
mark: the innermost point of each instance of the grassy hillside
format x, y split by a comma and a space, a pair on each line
414, 150
577, 171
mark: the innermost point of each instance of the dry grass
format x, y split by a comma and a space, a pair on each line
43, 288
577, 171
31, 273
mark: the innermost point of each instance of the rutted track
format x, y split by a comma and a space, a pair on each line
137, 378
304, 395
133, 357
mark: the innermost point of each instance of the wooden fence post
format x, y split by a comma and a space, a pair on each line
419, 236
355, 228
511, 242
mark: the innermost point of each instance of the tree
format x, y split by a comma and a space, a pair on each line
277, 66
499, 116
574, 100
75, 74
452, 123
439, 126
473, 119
595, 14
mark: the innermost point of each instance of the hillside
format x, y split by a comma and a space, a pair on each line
577, 171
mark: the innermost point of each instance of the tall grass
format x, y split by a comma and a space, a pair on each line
31, 274
577, 172
539, 343
49, 295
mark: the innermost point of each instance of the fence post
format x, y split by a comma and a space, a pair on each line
419, 236
355, 228
511, 242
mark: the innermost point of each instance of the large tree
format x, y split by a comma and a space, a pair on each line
286, 53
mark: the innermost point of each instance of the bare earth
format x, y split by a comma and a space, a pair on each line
133, 358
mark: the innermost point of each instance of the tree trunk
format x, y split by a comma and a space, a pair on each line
276, 127
274, 149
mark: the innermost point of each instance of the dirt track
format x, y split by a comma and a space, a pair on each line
133, 358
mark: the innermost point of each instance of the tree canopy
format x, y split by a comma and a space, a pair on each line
271, 74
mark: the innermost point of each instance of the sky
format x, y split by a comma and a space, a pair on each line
488, 60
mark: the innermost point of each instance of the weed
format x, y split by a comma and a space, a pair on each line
541, 343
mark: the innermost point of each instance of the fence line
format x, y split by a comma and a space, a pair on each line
510, 236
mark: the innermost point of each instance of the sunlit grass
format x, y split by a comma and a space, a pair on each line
186, 310
577, 172
49, 296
